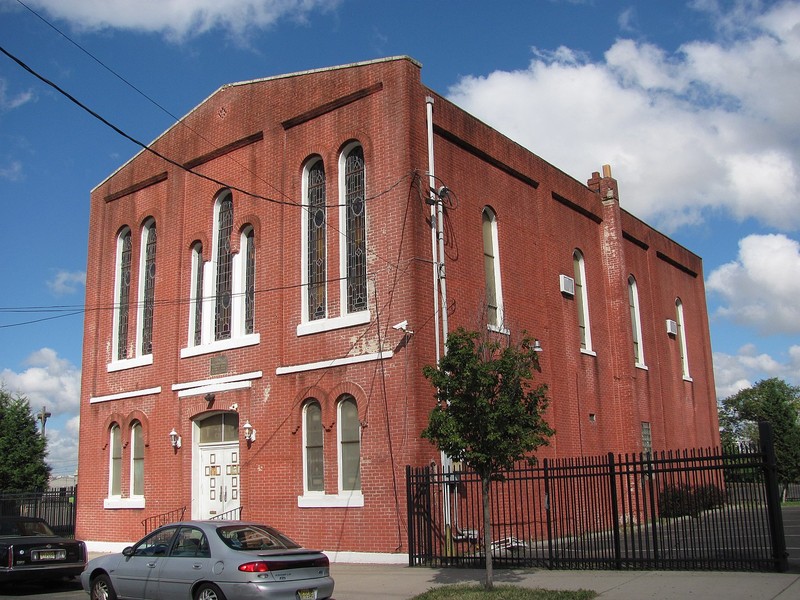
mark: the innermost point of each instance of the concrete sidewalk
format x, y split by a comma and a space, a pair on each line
395, 582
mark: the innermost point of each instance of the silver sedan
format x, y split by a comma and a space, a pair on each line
211, 560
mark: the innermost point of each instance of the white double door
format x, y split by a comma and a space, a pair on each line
218, 477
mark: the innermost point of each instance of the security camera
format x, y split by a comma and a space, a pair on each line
401, 326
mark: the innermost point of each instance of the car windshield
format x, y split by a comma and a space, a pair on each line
254, 537
25, 527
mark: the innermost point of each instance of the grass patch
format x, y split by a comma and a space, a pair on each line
502, 592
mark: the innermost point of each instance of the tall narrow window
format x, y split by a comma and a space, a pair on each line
356, 230
249, 280
224, 282
682, 337
636, 322
647, 439
148, 275
316, 257
137, 460
196, 316
123, 292
312, 436
115, 462
349, 445
582, 300
491, 268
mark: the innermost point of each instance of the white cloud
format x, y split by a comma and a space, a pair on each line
10, 102
733, 373
179, 19
62, 447
761, 287
12, 171
66, 282
48, 381
54, 383
712, 126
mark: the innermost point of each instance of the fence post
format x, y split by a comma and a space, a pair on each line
409, 496
767, 446
548, 514
615, 510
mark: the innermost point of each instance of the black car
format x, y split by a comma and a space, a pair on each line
29, 550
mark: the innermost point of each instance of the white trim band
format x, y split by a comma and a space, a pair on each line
335, 362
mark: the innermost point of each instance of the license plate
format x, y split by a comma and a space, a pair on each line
48, 554
307, 594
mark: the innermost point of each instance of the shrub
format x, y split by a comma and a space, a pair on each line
681, 500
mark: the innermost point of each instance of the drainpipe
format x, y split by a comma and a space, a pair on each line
437, 251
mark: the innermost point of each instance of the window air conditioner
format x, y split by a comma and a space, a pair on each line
672, 327
567, 285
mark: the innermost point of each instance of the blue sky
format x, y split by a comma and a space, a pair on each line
694, 104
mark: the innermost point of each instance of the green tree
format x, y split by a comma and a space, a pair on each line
488, 413
777, 403
22, 447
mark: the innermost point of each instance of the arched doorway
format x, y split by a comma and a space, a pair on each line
216, 483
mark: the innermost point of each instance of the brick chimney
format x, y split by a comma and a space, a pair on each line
606, 186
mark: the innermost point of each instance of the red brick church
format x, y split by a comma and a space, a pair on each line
266, 282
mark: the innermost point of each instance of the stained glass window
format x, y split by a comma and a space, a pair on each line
316, 242
249, 281
123, 294
149, 289
355, 208
224, 287
197, 262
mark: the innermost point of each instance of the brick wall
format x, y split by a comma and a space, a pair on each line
269, 129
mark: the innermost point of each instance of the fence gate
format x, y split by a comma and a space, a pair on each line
56, 506
691, 510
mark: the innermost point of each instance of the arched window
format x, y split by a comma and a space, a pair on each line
224, 275
147, 283
196, 305
115, 461
349, 445
491, 267
315, 242
682, 337
636, 321
313, 465
137, 460
582, 300
122, 294
249, 248
355, 230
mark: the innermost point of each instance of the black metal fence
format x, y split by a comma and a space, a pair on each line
56, 506
156, 521
688, 510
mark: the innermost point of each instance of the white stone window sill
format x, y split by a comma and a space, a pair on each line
343, 500
322, 325
588, 352
115, 503
222, 345
498, 329
642, 366
130, 363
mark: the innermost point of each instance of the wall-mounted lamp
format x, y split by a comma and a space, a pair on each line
249, 432
209, 397
174, 439
537, 346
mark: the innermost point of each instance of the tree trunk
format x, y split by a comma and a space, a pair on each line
487, 532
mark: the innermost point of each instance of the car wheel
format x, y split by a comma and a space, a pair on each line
208, 591
102, 589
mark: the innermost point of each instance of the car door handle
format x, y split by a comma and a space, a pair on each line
197, 566
151, 565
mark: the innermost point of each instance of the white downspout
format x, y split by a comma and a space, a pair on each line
434, 228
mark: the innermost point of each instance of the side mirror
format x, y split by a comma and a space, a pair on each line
127, 551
